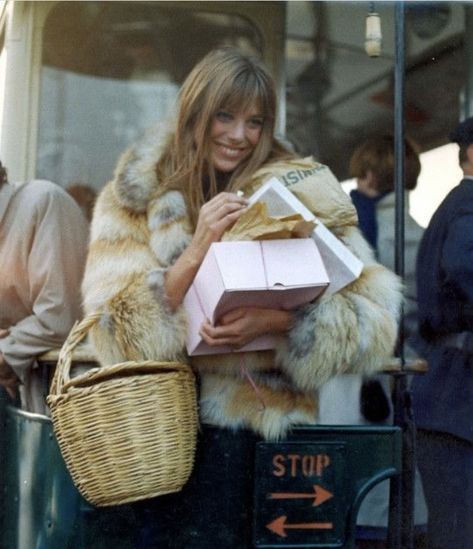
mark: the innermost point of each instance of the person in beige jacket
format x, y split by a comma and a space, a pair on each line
174, 194
43, 243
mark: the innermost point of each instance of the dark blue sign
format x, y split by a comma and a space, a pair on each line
300, 500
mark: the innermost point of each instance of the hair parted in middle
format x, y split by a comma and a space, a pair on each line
377, 156
228, 79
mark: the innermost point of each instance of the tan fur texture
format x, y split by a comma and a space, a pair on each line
271, 411
138, 232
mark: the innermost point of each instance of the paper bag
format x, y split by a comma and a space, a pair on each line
314, 185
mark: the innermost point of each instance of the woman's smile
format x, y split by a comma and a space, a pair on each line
231, 152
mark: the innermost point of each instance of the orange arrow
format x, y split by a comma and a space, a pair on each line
319, 494
279, 526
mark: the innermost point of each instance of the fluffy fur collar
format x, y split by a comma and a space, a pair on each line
135, 182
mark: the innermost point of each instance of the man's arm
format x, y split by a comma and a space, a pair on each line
55, 266
457, 254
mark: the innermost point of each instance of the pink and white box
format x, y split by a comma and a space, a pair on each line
275, 274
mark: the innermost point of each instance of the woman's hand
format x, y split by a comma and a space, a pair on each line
215, 217
241, 326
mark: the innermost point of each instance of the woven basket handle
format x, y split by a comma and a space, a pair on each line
124, 368
76, 335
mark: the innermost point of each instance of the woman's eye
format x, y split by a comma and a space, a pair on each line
224, 116
255, 123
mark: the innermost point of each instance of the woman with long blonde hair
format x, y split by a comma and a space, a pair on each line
172, 196
222, 78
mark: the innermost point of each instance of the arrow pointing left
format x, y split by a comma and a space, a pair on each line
279, 526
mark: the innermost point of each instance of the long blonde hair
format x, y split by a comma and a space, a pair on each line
224, 78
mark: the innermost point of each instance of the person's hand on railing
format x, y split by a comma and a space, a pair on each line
8, 379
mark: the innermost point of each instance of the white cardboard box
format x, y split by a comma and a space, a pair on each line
276, 274
341, 264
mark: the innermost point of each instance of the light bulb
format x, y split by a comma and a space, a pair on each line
373, 37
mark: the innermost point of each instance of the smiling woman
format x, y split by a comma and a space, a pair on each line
173, 197
224, 133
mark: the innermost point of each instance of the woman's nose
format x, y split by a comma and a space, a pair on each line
237, 131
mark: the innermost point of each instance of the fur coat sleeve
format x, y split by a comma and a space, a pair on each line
126, 263
138, 232
355, 329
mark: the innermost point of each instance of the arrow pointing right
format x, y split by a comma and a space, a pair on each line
279, 526
319, 494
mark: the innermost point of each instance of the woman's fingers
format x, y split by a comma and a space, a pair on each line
240, 326
229, 200
231, 316
223, 215
220, 335
226, 221
226, 197
216, 332
236, 328
223, 208
216, 216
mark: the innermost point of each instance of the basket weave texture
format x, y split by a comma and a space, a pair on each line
128, 431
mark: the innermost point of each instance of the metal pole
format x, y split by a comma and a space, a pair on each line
468, 103
399, 92
401, 509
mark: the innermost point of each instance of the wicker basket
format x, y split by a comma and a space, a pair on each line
128, 431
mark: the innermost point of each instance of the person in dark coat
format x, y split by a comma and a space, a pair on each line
443, 398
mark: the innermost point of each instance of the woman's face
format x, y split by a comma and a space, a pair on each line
233, 137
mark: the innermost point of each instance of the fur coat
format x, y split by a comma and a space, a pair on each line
138, 231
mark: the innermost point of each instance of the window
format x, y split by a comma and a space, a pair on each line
337, 96
111, 70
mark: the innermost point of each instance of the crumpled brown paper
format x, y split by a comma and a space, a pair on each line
256, 224
314, 185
